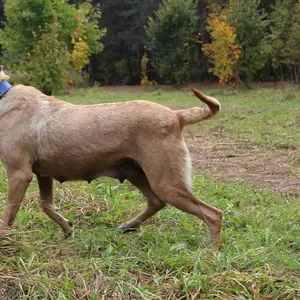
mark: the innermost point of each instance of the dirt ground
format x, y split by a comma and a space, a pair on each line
229, 157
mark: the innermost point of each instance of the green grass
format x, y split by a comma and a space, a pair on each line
169, 257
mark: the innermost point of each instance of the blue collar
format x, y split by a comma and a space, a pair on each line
4, 87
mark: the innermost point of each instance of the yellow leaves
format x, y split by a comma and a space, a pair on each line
81, 50
145, 81
223, 50
144, 78
80, 55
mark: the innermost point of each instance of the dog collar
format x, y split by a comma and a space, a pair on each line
4, 87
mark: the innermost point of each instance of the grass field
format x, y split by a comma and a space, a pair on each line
169, 257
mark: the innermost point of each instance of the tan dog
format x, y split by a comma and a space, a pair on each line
140, 141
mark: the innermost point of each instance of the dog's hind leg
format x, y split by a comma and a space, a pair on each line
46, 195
166, 172
181, 198
18, 181
154, 204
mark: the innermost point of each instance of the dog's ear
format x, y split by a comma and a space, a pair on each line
1, 68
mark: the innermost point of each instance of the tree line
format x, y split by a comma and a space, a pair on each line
54, 43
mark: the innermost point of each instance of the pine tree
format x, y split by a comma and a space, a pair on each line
250, 25
124, 42
172, 37
292, 55
285, 37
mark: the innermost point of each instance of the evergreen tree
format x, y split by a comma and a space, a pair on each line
250, 25
285, 37
292, 56
1, 13
172, 37
124, 42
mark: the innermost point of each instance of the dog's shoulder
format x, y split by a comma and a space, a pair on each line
25, 91
27, 95
23, 98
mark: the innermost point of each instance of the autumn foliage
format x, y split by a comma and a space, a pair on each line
144, 77
81, 50
223, 50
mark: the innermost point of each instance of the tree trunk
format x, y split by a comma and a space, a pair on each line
296, 74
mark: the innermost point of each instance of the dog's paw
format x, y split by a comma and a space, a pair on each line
124, 228
69, 231
69, 234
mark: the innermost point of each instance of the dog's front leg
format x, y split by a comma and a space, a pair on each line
46, 194
18, 181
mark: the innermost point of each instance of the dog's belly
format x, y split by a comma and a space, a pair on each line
119, 169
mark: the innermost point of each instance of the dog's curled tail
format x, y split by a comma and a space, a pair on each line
198, 114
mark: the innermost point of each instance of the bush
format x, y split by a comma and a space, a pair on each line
48, 63
44, 39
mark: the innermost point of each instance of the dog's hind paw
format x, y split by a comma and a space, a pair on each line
69, 231
69, 234
123, 228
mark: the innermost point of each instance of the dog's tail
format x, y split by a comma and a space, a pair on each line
198, 114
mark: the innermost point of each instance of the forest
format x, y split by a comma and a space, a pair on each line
130, 42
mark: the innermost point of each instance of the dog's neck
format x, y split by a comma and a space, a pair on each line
4, 87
